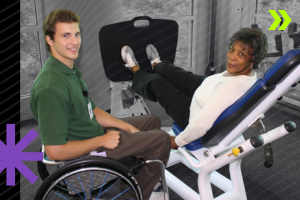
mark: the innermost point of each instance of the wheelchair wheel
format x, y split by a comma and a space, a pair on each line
96, 178
44, 172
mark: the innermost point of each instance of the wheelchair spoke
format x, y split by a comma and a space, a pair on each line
60, 195
91, 183
74, 190
81, 186
102, 186
120, 194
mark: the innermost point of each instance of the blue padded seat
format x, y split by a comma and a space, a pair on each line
235, 113
282, 67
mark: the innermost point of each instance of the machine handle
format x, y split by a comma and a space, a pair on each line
289, 126
142, 18
268, 156
142, 21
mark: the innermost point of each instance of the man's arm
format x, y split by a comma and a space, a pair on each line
107, 120
75, 149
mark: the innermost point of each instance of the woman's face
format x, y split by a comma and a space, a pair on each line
239, 61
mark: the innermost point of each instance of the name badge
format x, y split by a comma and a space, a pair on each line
90, 110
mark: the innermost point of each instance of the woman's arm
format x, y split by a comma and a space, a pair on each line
222, 97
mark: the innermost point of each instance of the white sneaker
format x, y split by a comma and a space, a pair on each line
157, 196
128, 57
152, 54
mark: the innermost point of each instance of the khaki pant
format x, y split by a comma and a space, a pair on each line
150, 143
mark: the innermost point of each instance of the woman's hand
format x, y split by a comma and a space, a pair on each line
173, 143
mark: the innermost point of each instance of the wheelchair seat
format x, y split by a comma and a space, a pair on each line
234, 114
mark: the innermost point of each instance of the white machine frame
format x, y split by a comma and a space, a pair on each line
117, 109
205, 163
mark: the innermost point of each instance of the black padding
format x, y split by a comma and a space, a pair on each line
268, 164
284, 70
257, 141
163, 34
278, 42
219, 131
290, 126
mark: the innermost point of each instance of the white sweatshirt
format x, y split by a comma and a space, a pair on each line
216, 94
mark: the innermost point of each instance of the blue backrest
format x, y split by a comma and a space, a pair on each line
235, 113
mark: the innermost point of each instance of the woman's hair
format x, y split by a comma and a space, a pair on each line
55, 17
256, 39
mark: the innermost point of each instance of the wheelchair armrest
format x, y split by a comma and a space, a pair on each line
46, 159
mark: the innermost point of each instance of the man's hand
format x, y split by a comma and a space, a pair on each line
111, 139
173, 143
132, 129
107, 120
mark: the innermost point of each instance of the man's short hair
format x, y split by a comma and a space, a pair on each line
54, 17
256, 39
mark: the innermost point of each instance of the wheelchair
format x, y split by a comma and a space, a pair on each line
93, 177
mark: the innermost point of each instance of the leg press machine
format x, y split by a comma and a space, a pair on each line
224, 143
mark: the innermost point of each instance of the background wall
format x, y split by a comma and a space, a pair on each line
279, 182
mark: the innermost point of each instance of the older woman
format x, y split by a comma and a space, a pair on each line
194, 102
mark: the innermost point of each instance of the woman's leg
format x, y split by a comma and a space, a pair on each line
185, 81
156, 88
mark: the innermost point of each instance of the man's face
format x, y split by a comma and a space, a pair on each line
66, 42
239, 61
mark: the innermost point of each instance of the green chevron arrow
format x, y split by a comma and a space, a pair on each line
286, 17
277, 19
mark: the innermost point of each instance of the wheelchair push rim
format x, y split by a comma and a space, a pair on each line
108, 166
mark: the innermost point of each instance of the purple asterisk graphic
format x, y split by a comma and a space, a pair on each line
11, 155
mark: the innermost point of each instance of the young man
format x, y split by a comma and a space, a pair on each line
70, 123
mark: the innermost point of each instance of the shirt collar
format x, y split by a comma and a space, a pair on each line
62, 67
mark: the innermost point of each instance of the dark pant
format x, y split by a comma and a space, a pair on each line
171, 86
150, 143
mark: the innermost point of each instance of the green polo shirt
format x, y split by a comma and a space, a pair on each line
59, 106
